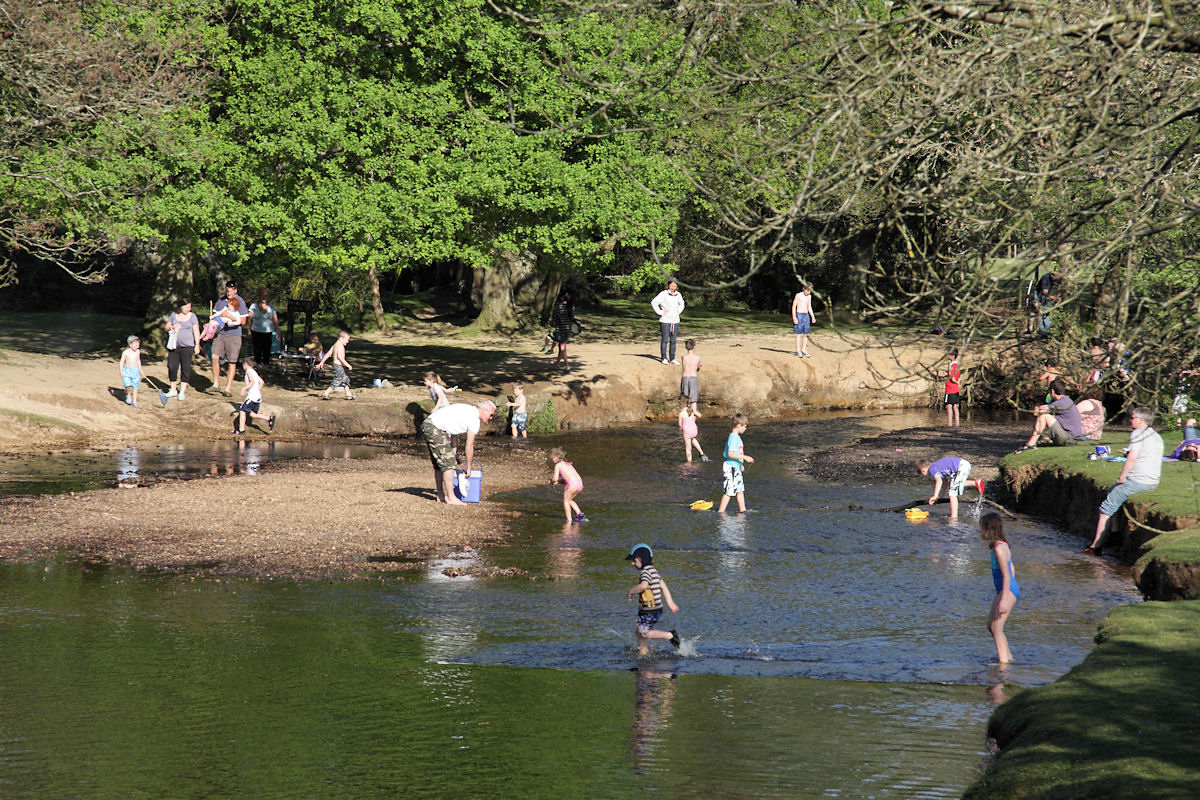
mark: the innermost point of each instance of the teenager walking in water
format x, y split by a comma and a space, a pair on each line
991, 530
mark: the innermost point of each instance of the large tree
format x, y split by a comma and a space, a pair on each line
89, 98
368, 137
926, 144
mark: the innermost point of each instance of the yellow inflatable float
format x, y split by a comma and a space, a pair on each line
701, 505
915, 513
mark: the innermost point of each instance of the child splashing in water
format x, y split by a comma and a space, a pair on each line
565, 471
991, 530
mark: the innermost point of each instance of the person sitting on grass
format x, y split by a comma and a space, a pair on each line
1140, 472
1091, 415
1058, 422
1189, 448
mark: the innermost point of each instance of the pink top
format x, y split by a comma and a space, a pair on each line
565, 471
688, 423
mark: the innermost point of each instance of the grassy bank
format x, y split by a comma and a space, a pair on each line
1177, 495
1121, 725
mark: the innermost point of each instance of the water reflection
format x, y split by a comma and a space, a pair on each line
92, 468
654, 692
565, 551
731, 534
128, 463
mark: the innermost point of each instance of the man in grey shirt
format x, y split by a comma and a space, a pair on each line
1140, 473
1058, 421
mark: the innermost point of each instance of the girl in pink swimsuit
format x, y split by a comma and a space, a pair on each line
565, 471
687, 423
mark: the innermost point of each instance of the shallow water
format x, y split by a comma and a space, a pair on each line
840, 652
58, 471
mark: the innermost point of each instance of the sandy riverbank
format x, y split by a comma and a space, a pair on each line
342, 518
69, 399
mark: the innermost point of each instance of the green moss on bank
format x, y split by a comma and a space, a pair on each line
1122, 725
1179, 546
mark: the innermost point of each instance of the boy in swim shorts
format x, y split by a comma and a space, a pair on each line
735, 461
802, 318
953, 469
131, 370
689, 383
520, 416
341, 367
652, 593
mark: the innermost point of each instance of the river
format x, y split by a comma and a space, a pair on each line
835, 651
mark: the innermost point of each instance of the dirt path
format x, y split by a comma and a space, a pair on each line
66, 399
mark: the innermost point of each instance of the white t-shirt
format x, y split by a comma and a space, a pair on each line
253, 386
1149, 448
456, 418
668, 306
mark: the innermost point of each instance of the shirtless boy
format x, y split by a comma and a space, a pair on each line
689, 384
802, 318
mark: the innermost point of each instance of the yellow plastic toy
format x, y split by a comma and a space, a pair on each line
915, 513
701, 505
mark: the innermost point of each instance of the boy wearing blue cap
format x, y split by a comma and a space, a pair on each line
651, 592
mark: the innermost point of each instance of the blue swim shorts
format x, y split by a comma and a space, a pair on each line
130, 377
250, 406
803, 324
519, 421
648, 619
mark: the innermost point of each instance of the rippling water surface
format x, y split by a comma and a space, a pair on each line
839, 653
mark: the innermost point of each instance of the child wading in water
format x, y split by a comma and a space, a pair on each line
519, 406
565, 471
952, 469
735, 462
687, 423
991, 530
953, 391
651, 593
131, 370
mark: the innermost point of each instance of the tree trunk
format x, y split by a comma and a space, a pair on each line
376, 301
859, 253
510, 291
1122, 316
173, 277
1108, 292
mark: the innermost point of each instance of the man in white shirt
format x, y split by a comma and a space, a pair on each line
668, 304
436, 430
1140, 473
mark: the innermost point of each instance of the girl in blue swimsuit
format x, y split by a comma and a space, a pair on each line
991, 530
